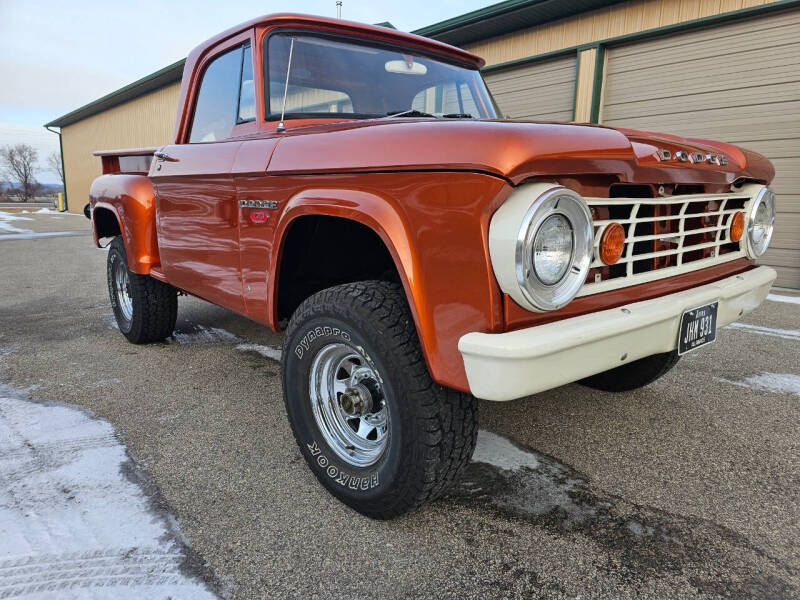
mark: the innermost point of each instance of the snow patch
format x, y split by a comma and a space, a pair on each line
111, 321
26, 234
777, 383
6, 226
73, 525
496, 450
272, 352
786, 334
203, 335
787, 299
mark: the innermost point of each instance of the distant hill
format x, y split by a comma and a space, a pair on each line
47, 188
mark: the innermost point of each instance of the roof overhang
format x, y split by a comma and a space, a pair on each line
506, 17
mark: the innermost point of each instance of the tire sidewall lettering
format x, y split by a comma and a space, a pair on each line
302, 347
339, 475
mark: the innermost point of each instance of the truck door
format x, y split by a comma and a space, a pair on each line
197, 205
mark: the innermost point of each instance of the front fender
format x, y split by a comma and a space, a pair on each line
131, 199
435, 228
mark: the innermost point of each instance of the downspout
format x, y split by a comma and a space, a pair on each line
63, 168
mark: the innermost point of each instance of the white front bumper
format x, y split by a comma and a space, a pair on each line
505, 366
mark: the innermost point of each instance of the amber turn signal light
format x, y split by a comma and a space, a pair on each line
737, 226
612, 243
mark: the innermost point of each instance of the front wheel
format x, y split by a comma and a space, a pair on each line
374, 428
145, 309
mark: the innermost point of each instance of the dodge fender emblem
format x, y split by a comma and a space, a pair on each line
269, 204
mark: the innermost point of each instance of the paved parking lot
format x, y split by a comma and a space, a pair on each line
687, 488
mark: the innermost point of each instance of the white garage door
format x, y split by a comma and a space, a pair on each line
540, 91
737, 82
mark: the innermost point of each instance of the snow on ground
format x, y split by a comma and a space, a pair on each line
777, 383
496, 450
6, 226
787, 334
781, 298
272, 352
29, 235
74, 521
200, 334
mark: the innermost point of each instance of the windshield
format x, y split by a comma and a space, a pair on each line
333, 78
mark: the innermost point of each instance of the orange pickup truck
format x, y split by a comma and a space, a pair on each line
356, 186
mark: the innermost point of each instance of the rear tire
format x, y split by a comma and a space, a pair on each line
372, 425
634, 375
145, 309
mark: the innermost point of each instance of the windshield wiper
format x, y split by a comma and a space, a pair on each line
458, 116
410, 113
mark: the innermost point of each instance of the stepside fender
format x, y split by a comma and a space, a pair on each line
131, 199
370, 210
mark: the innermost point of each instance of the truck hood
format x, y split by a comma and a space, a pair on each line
513, 150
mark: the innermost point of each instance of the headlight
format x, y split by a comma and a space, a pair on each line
540, 241
552, 249
760, 223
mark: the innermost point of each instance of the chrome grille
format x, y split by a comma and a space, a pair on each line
666, 236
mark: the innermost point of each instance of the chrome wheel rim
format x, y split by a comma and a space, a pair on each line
349, 404
122, 287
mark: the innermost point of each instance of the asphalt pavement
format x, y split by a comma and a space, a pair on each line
686, 488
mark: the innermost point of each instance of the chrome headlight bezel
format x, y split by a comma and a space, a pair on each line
512, 233
766, 197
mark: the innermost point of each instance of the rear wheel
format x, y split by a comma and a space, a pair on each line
374, 428
634, 375
145, 309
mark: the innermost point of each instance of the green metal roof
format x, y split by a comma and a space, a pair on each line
152, 82
506, 17
493, 20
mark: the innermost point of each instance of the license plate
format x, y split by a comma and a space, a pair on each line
698, 327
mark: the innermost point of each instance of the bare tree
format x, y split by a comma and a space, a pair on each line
54, 162
19, 164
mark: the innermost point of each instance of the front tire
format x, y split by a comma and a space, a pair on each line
373, 426
145, 309
634, 375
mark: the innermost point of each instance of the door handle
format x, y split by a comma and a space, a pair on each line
162, 156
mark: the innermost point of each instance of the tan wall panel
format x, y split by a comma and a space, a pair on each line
542, 91
583, 91
145, 121
621, 19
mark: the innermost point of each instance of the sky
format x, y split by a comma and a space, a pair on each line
57, 55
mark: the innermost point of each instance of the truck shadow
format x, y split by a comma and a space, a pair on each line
524, 485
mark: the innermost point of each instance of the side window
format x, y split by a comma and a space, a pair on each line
247, 93
446, 98
222, 95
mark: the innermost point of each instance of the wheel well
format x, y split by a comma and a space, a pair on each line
105, 221
320, 252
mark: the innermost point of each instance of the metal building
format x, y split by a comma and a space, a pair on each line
719, 69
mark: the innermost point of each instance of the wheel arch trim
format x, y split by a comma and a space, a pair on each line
375, 213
